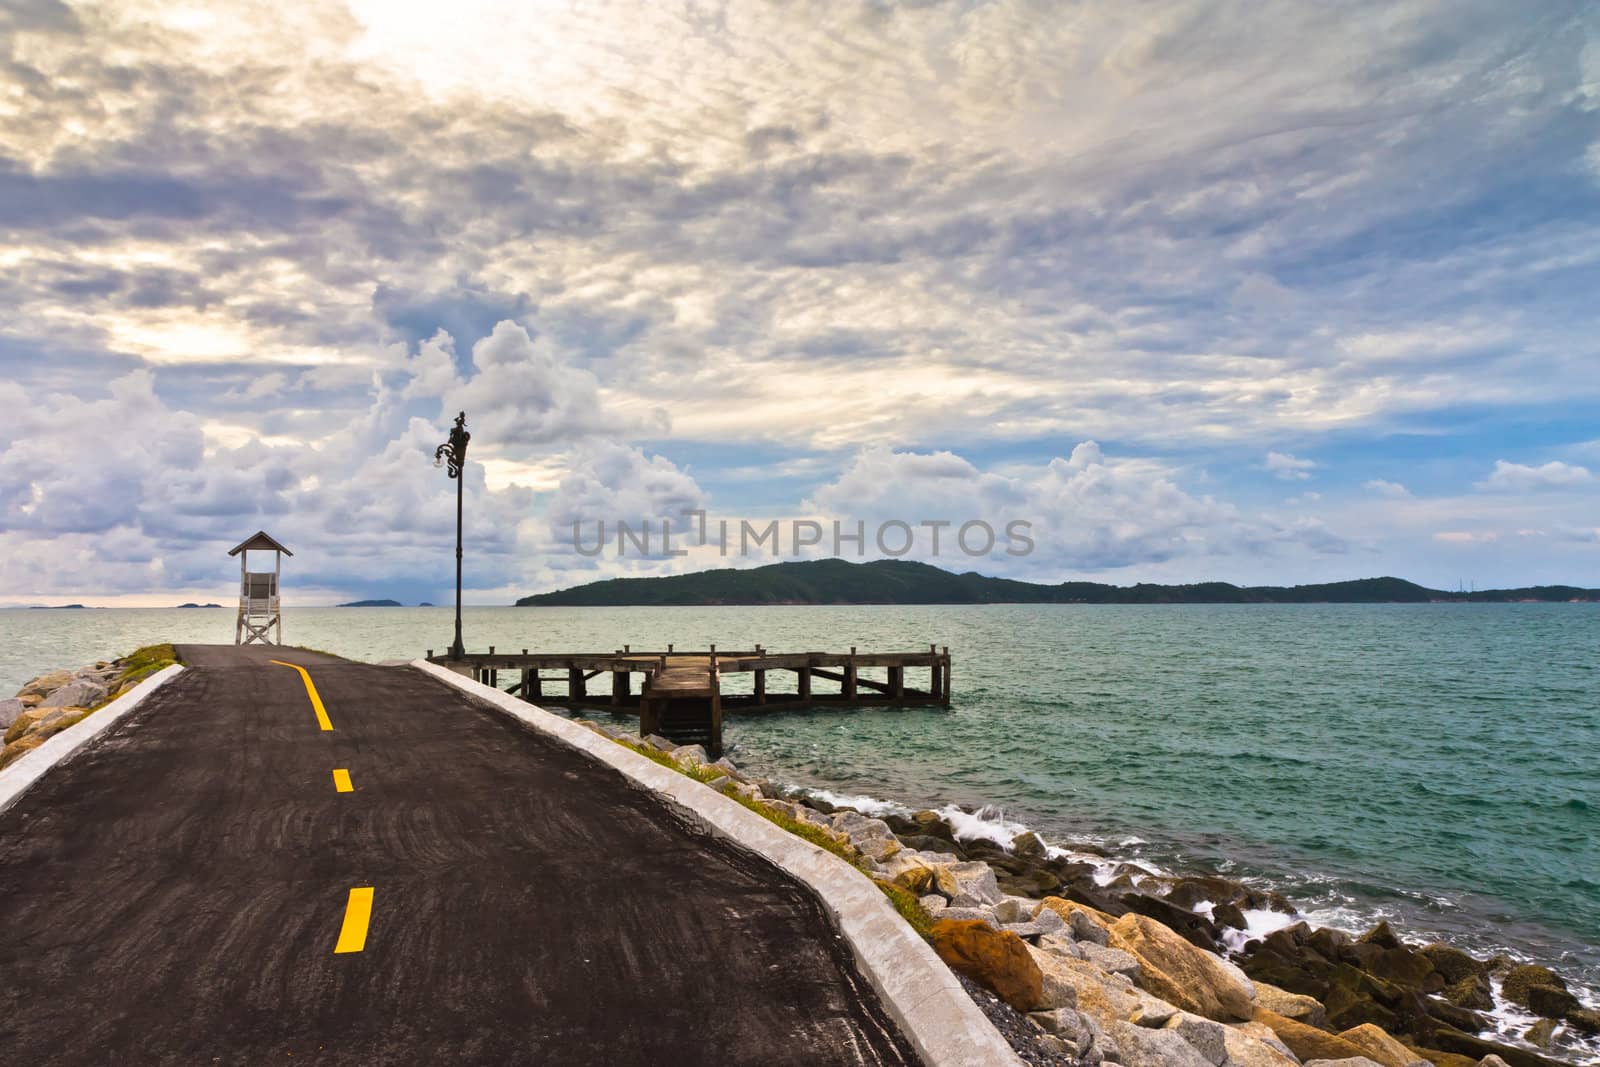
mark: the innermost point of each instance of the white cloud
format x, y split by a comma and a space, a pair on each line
1517, 477
1392, 490
1288, 467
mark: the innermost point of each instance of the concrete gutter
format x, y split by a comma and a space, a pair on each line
17, 778
918, 991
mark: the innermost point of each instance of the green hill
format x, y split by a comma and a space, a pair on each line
837, 581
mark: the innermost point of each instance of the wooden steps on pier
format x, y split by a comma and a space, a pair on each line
681, 696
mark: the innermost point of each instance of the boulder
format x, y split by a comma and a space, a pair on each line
1180, 973
1087, 923
1382, 935
24, 723
659, 743
1307, 1042
1229, 914
1114, 960
44, 685
1072, 983
1014, 910
1141, 1047
1541, 1034
1550, 1002
1028, 846
1196, 929
1381, 1047
1451, 962
911, 872
78, 694
1263, 1033
1355, 997
1057, 945
1250, 1050
1519, 980
1295, 1006
933, 904
1349, 1061
56, 721
17, 749
1032, 882
690, 756
1492, 1060
970, 884
9, 710
1472, 992
932, 824
1477, 1048
1207, 1038
998, 961
1443, 1059
1585, 1019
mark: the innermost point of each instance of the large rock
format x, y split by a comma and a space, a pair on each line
1307, 1042
1519, 980
910, 871
1207, 1038
1074, 983
1296, 1006
44, 685
1247, 1050
57, 720
1141, 1047
1180, 973
9, 710
1585, 1019
1550, 1002
1350, 1061
24, 723
994, 959
1472, 992
1381, 1047
1114, 960
1088, 923
17, 749
1196, 929
1477, 1048
968, 885
78, 694
1452, 963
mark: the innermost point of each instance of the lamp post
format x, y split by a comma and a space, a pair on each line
454, 453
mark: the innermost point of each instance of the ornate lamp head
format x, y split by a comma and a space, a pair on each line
454, 451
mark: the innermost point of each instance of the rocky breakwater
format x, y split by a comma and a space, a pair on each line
54, 701
1081, 960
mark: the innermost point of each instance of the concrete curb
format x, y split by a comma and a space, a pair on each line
918, 991
17, 778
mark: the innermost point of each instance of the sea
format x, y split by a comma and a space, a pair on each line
1437, 765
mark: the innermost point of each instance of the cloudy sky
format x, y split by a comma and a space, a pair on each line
1200, 290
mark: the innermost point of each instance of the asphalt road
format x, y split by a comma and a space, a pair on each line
175, 894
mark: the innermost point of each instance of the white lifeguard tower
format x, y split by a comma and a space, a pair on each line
260, 616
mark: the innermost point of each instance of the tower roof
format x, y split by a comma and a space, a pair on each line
259, 541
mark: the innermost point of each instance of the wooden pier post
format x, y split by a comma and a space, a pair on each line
944, 690
577, 692
849, 688
621, 688
803, 684
897, 684
761, 687
530, 684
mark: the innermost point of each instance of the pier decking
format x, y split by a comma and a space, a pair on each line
681, 695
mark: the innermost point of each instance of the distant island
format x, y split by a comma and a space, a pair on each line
373, 604
192, 605
424, 604
837, 581
52, 607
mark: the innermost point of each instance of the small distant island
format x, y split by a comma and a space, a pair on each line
53, 607
373, 604
837, 581
193, 605
425, 604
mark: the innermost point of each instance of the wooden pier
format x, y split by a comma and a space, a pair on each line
681, 697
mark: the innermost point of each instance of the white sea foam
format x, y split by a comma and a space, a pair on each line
864, 804
1258, 922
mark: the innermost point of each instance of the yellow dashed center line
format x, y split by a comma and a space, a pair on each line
357, 913
311, 691
341, 780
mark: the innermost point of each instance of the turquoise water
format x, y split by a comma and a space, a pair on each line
1437, 764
